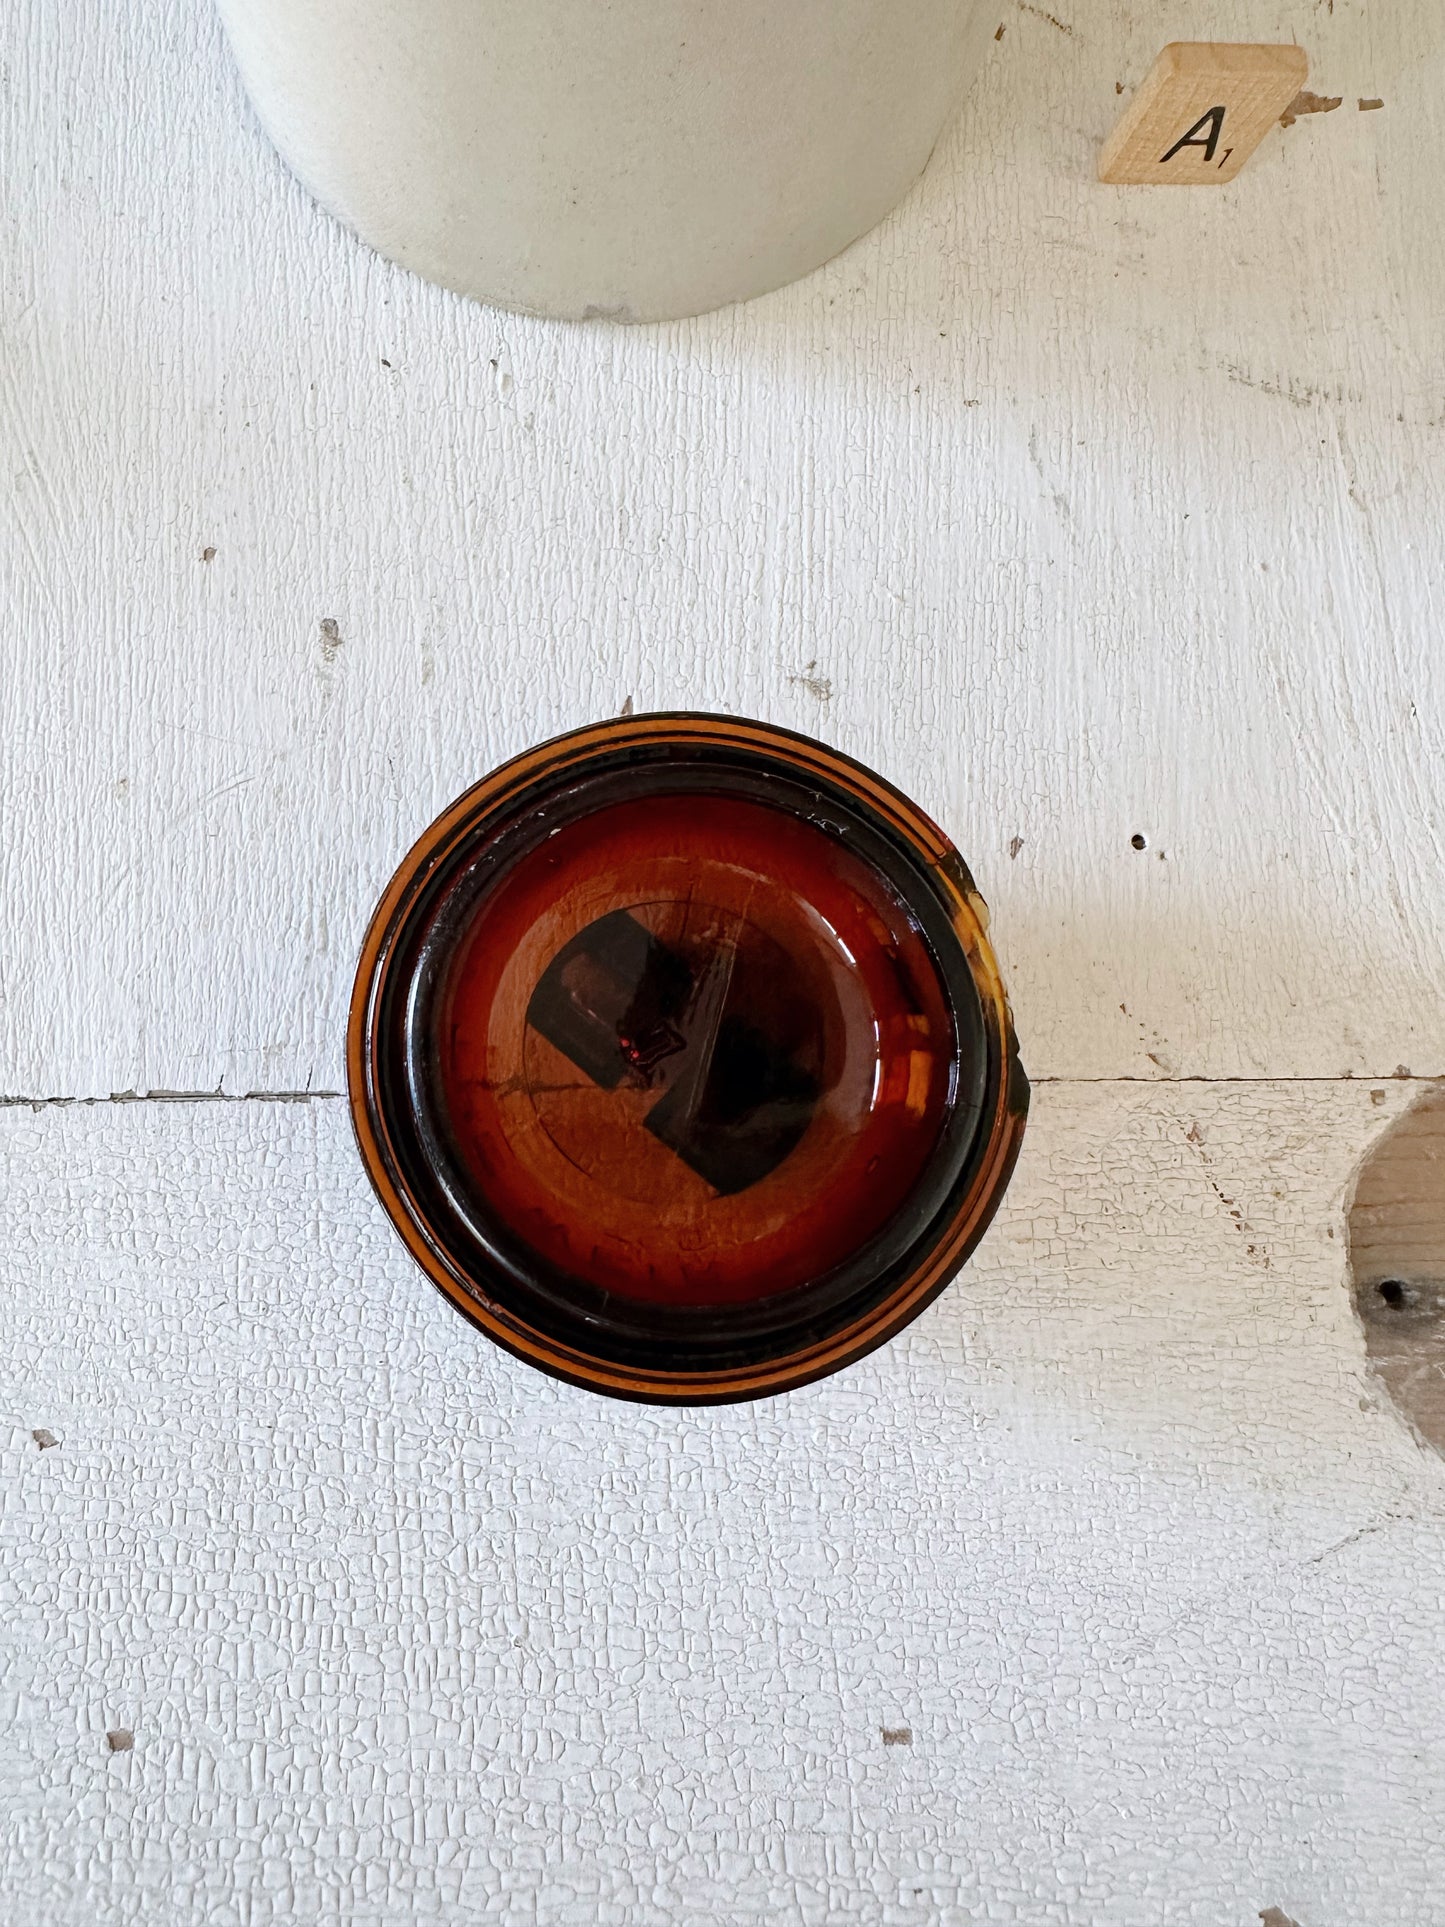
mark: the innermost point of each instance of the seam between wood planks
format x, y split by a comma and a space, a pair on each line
12, 1102
9, 1103
1323, 1077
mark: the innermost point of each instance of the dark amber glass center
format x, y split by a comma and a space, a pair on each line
692, 1051
674, 1055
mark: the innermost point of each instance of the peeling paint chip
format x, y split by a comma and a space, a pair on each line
119, 1740
1305, 102
1277, 1917
1368, 106
43, 1438
897, 1735
208, 554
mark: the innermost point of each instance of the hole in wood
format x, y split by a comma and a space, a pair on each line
1397, 1263
1138, 841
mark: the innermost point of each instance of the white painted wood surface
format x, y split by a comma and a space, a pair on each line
1121, 1531
1080, 512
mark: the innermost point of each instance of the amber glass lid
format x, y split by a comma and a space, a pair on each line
679, 1058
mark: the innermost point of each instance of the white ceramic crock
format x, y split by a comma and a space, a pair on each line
630, 159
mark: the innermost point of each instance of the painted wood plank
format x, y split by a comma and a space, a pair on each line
1079, 520
1123, 1533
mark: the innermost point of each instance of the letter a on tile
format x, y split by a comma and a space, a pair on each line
1214, 121
1200, 113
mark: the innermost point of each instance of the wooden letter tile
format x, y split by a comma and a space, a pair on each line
1201, 112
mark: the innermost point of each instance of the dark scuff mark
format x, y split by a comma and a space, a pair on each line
1015, 844
897, 1735
1241, 1224
1052, 18
1298, 394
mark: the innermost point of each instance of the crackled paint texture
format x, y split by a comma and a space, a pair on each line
1086, 514
1120, 1531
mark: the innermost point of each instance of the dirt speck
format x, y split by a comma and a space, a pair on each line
208, 554
120, 1739
384, 362
1015, 844
626, 709
999, 31
43, 1438
330, 638
1403, 1070
1277, 1917
1118, 86
1377, 1097
1305, 102
819, 686
897, 1735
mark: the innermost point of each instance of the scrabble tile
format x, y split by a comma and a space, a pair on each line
1202, 110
